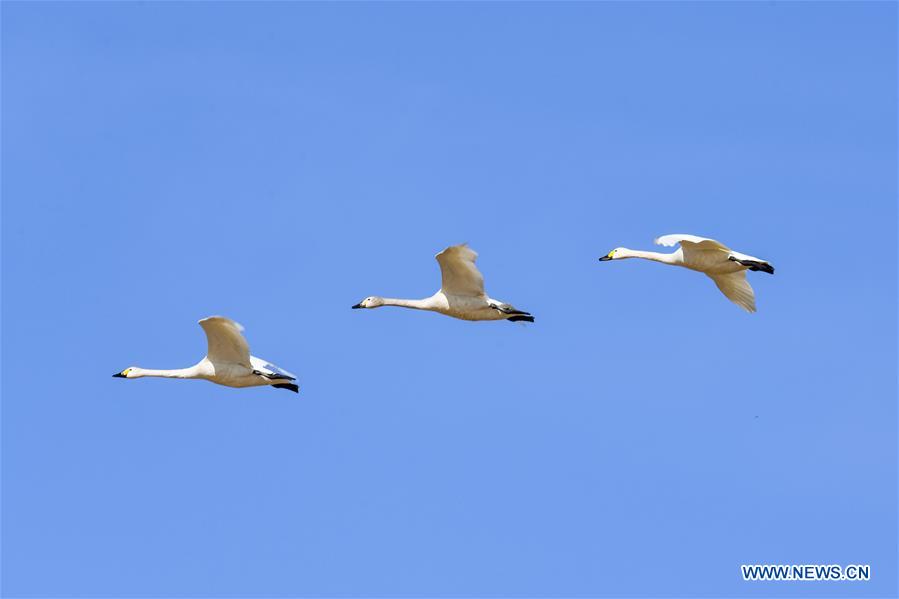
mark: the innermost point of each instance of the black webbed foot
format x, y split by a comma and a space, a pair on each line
754, 265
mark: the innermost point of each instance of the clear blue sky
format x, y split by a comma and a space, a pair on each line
278, 162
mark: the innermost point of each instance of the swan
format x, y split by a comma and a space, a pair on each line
228, 361
461, 294
726, 267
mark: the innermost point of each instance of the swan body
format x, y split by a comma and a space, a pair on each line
724, 266
227, 362
461, 294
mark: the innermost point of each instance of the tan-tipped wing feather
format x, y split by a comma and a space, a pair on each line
737, 289
226, 343
460, 276
682, 238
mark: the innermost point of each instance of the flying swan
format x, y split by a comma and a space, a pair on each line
725, 266
228, 361
461, 294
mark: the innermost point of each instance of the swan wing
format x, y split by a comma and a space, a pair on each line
226, 341
266, 367
702, 243
737, 289
460, 275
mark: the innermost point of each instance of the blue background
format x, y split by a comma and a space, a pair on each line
276, 163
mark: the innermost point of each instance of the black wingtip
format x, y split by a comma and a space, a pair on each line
288, 386
521, 317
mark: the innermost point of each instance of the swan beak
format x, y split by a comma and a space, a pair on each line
119, 375
356, 307
605, 258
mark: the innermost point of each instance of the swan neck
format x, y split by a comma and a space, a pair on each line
415, 304
654, 256
178, 373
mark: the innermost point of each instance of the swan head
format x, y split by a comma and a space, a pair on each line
132, 372
370, 302
616, 254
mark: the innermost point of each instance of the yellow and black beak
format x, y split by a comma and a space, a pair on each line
607, 257
120, 375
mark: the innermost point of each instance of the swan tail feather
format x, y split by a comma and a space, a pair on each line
274, 376
509, 309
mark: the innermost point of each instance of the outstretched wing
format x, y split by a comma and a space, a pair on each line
226, 343
460, 275
702, 243
737, 289
267, 368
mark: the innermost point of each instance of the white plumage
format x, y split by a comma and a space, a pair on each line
724, 266
227, 362
461, 293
